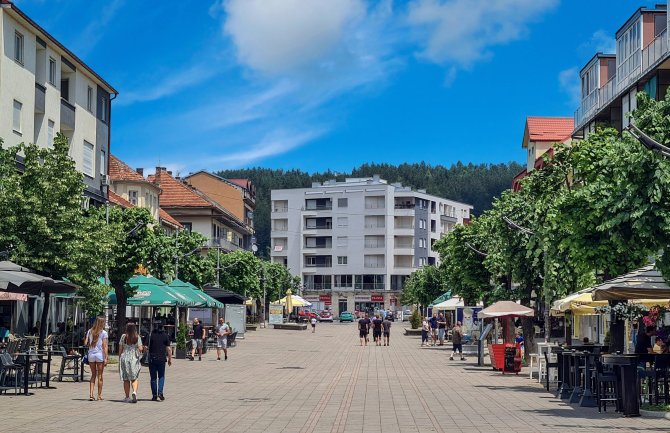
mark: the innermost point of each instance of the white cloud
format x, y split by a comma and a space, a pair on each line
95, 30
570, 84
600, 42
274, 143
282, 36
462, 32
174, 83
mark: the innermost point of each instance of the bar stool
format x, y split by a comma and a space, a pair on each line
534, 359
606, 385
549, 365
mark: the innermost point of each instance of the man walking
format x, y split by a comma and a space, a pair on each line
433, 329
313, 322
456, 339
222, 333
363, 328
377, 323
159, 353
387, 329
441, 328
198, 338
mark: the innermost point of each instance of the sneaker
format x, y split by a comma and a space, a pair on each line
199, 358
134, 400
161, 396
154, 398
462, 359
126, 400
451, 358
225, 357
218, 359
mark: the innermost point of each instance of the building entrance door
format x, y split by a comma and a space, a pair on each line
342, 305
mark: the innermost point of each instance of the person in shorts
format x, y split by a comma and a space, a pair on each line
198, 338
377, 323
386, 325
222, 333
441, 328
363, 329
433, 329
313, 322
457, 338
425, 329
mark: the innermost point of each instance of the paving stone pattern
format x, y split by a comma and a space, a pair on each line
295, 381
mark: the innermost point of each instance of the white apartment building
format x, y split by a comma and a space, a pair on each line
46, 89
354, 243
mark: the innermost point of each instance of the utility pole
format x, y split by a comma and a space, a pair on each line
218, 265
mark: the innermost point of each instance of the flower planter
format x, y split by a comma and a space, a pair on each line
180, 353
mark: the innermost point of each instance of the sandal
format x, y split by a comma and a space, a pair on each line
91, 398
99, 398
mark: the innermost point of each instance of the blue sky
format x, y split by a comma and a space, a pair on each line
331, 84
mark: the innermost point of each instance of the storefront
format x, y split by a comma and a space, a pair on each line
368, 303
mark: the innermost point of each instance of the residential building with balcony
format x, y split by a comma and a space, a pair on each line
129, 188
46, 89
354, 243
235, 195
196, 212
610, 81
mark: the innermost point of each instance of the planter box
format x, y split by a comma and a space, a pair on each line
655, 414
291, 326
180, 353
413, 332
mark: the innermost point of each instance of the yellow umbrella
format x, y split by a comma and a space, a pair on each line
249, 302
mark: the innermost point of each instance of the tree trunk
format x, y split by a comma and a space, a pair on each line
529, 336
43, 320
121, 303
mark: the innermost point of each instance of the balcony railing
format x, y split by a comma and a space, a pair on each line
223, 243
319, 227
325, 245
40, 92
404, 206
641, 62
280, 209
66, 115
375, 244
318, 286
319, 206
319, 265
369, 286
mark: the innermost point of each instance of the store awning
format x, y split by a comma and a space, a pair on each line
442, 298
152, 292
643, 283
449, 304
200, 298
224, 296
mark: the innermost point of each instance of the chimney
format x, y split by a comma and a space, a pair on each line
140, 171
169, 172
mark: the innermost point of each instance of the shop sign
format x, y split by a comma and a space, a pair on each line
377, 298
326, 299
362, 298
393, 301
311, 298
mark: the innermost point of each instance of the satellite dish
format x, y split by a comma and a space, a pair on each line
254, 248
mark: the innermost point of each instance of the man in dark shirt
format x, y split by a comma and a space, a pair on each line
387, 329
433, 329
159, 353
377, 330
198, 338
363, 328
643, 344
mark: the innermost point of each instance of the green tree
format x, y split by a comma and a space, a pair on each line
424, 285
239, 272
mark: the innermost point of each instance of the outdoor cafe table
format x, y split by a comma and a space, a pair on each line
563, 356
625, 368
583, 396
28, 359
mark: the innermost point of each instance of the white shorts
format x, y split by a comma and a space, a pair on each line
221, 342
95, 357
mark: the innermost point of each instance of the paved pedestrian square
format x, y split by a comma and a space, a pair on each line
295, 381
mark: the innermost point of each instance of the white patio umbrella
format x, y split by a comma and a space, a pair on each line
506, 308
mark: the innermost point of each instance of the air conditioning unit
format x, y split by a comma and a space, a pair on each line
105, 180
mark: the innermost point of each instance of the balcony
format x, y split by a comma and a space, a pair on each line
628, 72
40, 95
224, 244
66, 115
318, 286
280, 209
448, 219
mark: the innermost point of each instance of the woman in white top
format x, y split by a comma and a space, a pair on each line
96, 340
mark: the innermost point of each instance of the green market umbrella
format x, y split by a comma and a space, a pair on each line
444, 297
152, 292
200, 298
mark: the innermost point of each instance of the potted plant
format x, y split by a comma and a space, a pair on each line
182, 335
415, 319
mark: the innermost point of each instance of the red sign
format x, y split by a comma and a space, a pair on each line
326, 299
377, 298
393, 301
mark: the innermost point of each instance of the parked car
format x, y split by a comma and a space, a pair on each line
325, 316
346, 316
405, 315
306, 316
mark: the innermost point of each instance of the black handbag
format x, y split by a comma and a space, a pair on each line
146, 358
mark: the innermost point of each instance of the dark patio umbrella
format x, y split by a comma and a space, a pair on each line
643, 283
17, 279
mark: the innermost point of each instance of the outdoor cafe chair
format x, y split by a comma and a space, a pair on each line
65, 361
10, 370
549, 366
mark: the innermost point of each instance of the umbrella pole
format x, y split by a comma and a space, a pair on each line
43, 322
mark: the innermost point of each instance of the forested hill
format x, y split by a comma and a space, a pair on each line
476, 184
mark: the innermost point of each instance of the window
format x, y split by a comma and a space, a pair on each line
342, 202
422, 261
50, 132
16, 118
343, 222
52, 71
103, 162
89, 99
376, 202
342, 241
88, 161
132, 198
344, 281
187, 226
341, 260
103, 109
18, 47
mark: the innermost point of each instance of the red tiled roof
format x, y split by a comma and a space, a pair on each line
244, 183
118, 200
120, 171
175, 193
168, 218
549, 128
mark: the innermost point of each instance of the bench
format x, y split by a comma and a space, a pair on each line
291, 326
65, 360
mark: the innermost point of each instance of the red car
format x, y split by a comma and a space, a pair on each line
306, 316
325, 316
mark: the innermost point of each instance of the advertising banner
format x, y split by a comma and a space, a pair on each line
377, 298
276, 314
